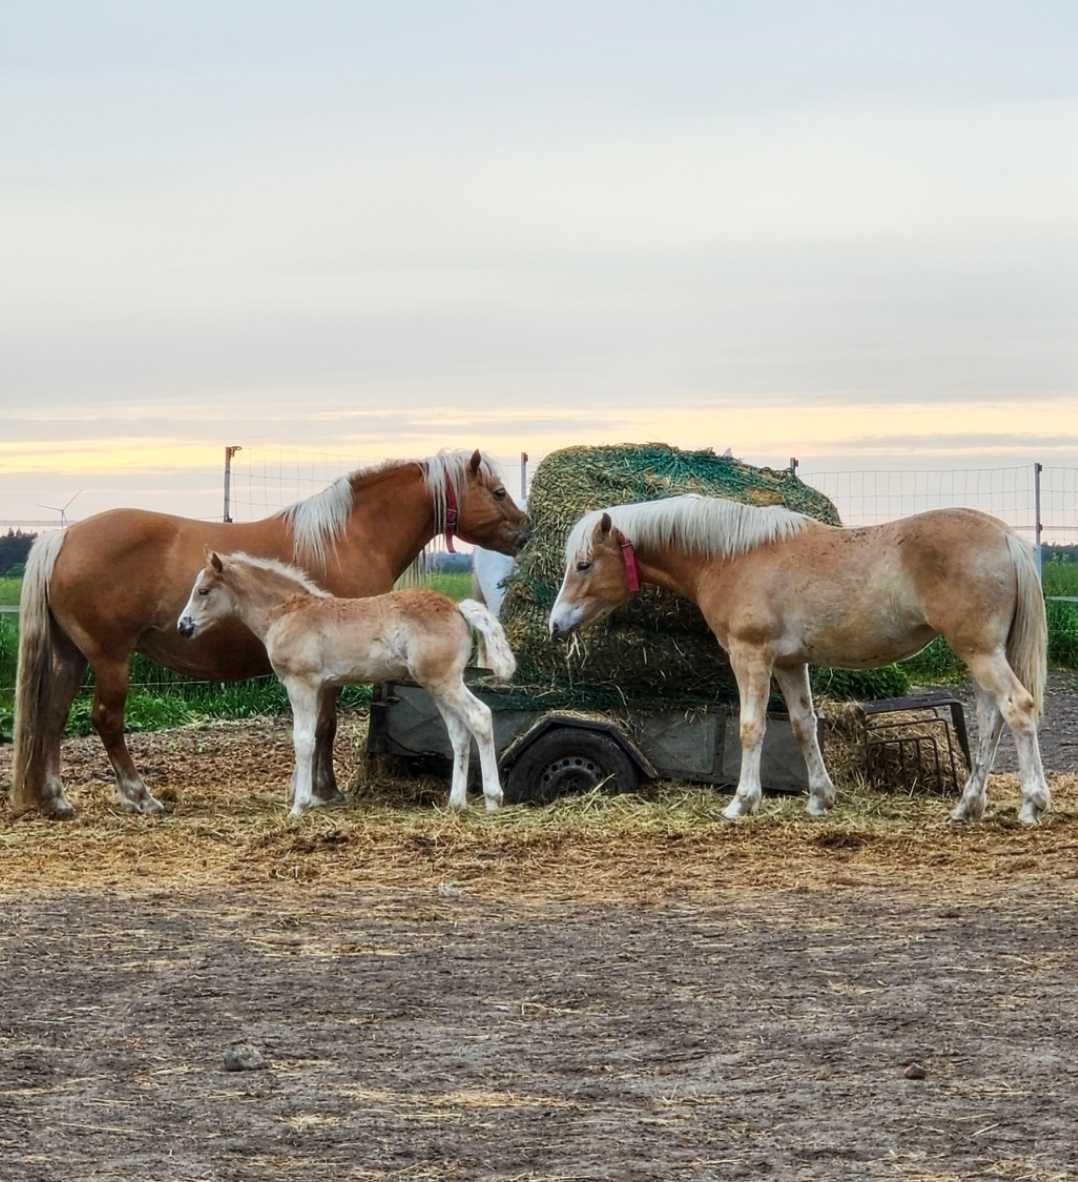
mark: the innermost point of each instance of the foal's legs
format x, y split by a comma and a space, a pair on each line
325, 790
1015, 703
110, 695
477, 718
304, 699
797, 693
989, 728
461, 741
753, 672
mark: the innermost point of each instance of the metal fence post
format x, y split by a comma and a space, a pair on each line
523, 474
229, 453
1038, 525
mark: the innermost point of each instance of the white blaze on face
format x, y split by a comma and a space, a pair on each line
187, 622
565, 615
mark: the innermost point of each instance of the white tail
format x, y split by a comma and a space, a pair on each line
1027, 644
499, 654
33, 681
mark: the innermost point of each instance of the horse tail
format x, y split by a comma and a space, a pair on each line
499, 654
1027, 642
33, 679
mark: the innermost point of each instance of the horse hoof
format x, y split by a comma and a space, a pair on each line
58, 809
732, 812
1029, 815
493, 804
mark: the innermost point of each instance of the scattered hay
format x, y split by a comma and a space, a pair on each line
229, 828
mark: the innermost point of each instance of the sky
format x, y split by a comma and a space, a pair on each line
338, 232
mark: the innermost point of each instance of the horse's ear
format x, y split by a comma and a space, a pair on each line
605, 523
215, 561
475, 461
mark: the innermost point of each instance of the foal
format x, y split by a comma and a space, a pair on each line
314, 640
781, 591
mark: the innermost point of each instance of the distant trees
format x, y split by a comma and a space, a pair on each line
14, 547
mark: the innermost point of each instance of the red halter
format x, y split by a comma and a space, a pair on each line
628, 557
452, 515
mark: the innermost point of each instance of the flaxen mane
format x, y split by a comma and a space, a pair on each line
318, 521
292, 573
709, 526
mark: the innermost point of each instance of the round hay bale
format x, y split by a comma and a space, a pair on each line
658, 646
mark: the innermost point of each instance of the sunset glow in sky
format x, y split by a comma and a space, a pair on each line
346, 231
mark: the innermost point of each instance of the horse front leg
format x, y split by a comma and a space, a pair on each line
304, 700
752, 668
797, 694
110, 698
325, 790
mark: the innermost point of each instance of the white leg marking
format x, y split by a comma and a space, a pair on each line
753, 673
797, 693
304, 699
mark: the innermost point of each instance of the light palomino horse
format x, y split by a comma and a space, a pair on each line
781, 591
114, 584
315, 641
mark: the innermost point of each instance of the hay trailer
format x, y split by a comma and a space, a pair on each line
546, 752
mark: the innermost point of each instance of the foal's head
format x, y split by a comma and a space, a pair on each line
211, 599
488, 515
600, 575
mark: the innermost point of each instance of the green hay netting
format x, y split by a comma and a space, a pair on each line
658, 647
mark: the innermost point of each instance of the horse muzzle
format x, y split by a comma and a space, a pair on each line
186, 627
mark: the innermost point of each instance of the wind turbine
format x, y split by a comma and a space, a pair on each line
63, 511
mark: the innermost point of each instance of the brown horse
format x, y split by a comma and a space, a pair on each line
781, 591
314, 641
114, 584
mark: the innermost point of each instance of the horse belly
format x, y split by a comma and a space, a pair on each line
377, 661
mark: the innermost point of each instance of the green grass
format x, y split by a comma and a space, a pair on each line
456, 586
9, 591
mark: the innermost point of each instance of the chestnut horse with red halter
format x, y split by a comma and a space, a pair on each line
114, 584
781, 591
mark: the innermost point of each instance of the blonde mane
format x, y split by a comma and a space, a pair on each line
709, 526
283, 569
318, 521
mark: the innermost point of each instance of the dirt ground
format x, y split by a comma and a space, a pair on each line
609, 989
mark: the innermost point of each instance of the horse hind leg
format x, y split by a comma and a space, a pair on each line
461, 742
68, 667
478, 719
1018, 710
989, 728
110, 697
797, 693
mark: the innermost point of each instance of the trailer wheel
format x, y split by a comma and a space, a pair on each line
566, 761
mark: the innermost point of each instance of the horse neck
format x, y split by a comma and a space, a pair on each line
257, 596
674, 570
393, 519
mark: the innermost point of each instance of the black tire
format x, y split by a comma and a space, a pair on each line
566, 761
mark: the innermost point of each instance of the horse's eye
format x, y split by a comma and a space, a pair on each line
499, 494
203, 590
583, 566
